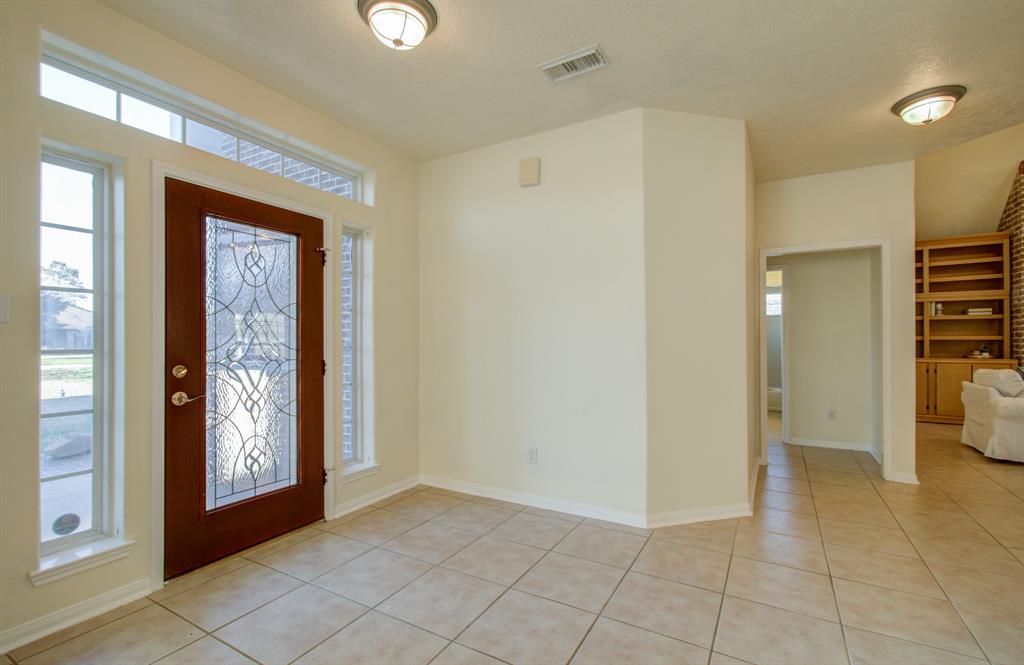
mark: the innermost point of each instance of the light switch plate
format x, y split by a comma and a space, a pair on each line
529, 172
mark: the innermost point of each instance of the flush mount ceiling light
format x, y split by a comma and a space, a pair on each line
399, 24
927, 106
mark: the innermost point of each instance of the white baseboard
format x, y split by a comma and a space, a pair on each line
752, 486
902, 477
537, 501
12, 638
363, 500
659, 520
821, 443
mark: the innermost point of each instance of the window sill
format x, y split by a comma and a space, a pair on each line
357, 471
58, 565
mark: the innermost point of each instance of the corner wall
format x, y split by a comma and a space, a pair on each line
698, 276
875, 203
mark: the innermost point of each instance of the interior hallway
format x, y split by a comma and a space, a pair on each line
836, 566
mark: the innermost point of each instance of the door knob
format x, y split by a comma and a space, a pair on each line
181, 398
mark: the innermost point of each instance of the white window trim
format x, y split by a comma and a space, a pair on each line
364, 462
103, 543
77, 60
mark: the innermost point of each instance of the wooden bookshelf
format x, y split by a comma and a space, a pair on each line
959, 273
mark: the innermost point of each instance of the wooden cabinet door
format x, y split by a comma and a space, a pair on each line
948, 377
923, 402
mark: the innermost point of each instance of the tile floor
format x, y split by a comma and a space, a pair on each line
835, 566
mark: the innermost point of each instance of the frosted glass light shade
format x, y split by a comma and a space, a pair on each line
398, 25
927, 106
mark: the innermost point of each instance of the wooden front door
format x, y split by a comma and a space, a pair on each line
244, 424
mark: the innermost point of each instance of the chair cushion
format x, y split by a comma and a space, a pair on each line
1007, 382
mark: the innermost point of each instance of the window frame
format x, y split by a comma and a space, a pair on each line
358, 450
190, 111
103, 522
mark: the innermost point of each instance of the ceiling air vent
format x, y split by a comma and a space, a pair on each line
575, 63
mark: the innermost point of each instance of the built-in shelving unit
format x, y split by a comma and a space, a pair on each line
955, 275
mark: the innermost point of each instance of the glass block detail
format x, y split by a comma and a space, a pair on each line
348, 452
252, 361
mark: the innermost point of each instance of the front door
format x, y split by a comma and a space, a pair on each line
244, 424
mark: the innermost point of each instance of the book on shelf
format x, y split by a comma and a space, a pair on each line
979, 311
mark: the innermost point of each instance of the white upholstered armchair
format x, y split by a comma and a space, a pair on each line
994, 413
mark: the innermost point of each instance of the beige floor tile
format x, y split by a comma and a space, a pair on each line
795, 472
571, 580
398, 496
424, 505
717, 536
196, 577
859, 479
378, 527
886, 570
615, 526
544, 512
372, 577
431, 542
284, 629
1001, 635
794, 503
857, 495
52, 640
534, 530
375, 639
875, 539
760, 634
613, 643
442, 601
456, 654
207, 651
140, 637
906, 616
722, 659
520, 628
682, 563
476, 517
838, 465
780, 521
499, 503
977, 587
314, 557
500, 561
347, 517
224, 599
874, 649
677, 610
263, 550
791, 485
937, 524
1017, 552
788, 588
780, 549
601, 545
856, 512
821, 452
968, 554
452, 493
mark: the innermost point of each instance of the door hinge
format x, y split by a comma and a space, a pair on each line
323, 367
322, 251
325, 476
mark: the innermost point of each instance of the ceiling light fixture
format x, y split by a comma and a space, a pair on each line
927, 106
399, 24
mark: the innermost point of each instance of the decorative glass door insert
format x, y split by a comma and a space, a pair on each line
252, 361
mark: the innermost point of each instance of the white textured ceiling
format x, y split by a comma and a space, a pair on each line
815, 80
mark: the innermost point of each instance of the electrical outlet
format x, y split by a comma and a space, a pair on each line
531, 456
833, 415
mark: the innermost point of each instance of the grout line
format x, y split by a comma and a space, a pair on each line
725, 585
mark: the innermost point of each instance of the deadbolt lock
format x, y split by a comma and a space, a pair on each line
179, 371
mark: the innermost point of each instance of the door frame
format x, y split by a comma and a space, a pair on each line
162, 170
783, 354
885, 248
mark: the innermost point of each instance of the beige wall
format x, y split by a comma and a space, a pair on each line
875, 203
963, 190
698, 263
25, 119
532, 316
831, 346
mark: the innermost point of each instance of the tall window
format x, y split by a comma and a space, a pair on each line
72, 427
773, 304
351, 450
